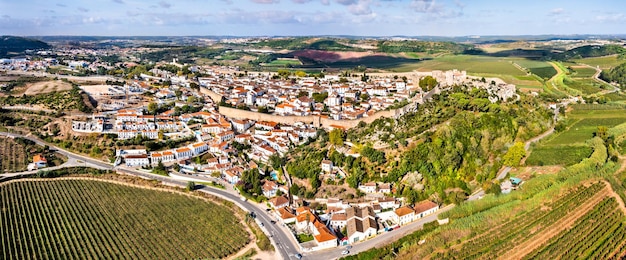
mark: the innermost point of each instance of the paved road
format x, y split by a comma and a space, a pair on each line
378, 241
283, 243
73, 159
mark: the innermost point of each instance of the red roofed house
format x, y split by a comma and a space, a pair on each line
405, 215
424, 208
279, 202
40, 161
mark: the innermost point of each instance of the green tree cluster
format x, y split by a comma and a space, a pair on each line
428, 83
514, 155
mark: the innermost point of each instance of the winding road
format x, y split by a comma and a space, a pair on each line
280, 236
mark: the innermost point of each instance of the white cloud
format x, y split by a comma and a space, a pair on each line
557, 11
424, 6
611, 17
360, 8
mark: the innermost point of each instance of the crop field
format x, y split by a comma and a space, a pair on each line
471, 64
586, 86
615, 96
583, 130
544, 72
284, 62
14, 156
516, 235
558, 155
600, 234
583, 72
605, 62
88, 219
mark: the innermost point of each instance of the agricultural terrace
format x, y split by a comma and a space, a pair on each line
85, 219
569, 143
532, 229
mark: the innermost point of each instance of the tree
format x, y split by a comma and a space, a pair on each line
602, 132
276, 161
427, 83
315, 183
300, 74
152, 108
514, 155
191, 186
336, 137
294, 189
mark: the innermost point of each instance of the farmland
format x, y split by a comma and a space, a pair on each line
14, 155
583, 72
17, 153
567, 155
283, 63
605, 62
471, 64
528, 227
81, 219
599, 234
585, 85
569, 143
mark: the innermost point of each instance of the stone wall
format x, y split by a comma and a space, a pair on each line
315, 120
214, 96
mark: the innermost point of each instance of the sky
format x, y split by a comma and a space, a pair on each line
310, 17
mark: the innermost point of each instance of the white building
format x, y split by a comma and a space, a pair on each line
134, 160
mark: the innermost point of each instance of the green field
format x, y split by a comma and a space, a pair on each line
471, 64
586, 86
558, 155
583, 72
605, 62
284, 62
582, 130
568, 147
87, 219
544, 72
615, 96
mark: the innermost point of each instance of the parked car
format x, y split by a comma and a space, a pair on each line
348, 247
345, 252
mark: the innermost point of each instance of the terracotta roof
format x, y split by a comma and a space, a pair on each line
339, 217
280, 200
424, 206
286, 213
302, 209
404, 211
39, 158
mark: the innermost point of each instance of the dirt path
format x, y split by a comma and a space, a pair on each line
556, 228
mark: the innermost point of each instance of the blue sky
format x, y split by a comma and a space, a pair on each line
311, 17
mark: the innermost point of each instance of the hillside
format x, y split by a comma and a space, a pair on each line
9, 44
577, 212
446, 149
